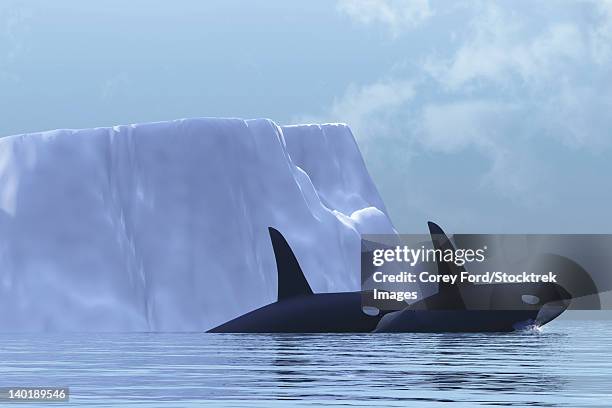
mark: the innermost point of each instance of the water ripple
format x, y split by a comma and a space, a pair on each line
566, 365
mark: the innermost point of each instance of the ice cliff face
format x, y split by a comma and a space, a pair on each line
163, 226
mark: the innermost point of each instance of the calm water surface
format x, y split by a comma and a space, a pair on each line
567, 364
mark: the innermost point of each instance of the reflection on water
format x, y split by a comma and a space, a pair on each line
568, 364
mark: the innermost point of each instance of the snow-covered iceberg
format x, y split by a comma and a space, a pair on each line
163, 226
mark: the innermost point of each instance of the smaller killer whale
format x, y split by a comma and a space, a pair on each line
453, 309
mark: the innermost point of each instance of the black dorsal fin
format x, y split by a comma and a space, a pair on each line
291, 279
442, 242
450, 296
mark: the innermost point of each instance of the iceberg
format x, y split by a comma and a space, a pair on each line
164, 226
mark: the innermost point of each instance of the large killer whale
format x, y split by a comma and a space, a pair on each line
454, 308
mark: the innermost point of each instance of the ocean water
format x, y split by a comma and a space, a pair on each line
565, 364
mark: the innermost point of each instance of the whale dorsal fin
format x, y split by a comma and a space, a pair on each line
450, 296
291, 279
442, 242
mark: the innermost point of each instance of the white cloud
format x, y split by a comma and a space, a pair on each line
543, 80
14, 24
370, 109
600, 35
481, 126
501, 47
577, 116
518, 80
451, 127
397, 15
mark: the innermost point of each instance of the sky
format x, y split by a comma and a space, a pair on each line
481, 116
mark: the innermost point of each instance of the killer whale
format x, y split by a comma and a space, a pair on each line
298, 309
454, 308
470, 307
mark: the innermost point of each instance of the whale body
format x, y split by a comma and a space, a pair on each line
299, 310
